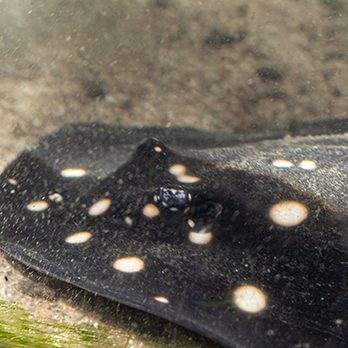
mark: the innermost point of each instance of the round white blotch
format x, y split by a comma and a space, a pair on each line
73, 172
161, 299
307, 165
37, 206
128, 220
157, 149
12, 181
200, 238
177, 169
282, 163
150, 210
249, 298
56, 197
188, 179
99, 207
288, 213
78, 237
129, 264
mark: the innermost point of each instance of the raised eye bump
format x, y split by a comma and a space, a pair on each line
173, 197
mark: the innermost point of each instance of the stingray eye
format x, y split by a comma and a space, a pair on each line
173, 197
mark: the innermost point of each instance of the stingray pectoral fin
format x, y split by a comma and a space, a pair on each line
219, 240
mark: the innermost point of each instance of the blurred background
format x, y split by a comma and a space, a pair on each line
222, 65
234, 66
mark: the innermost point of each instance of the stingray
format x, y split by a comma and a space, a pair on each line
242, 239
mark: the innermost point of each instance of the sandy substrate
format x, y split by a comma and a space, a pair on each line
221, 65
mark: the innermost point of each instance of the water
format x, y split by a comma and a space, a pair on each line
228, 65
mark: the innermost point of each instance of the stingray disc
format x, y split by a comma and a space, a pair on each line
243, 243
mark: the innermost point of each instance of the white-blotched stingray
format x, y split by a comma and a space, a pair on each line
241, 238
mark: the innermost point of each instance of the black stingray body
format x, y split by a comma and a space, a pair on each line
221, 262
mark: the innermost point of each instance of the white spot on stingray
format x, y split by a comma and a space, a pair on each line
73, 172
188, 179
177, 169
12, 181
288, 213
338, 321
99, 207
150, 210
128, 220
37, 206
161, 299
129, 264
78, 237
307, 165
249, 298
200, 238
282, 163
56, 197
158, 149
191, 223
